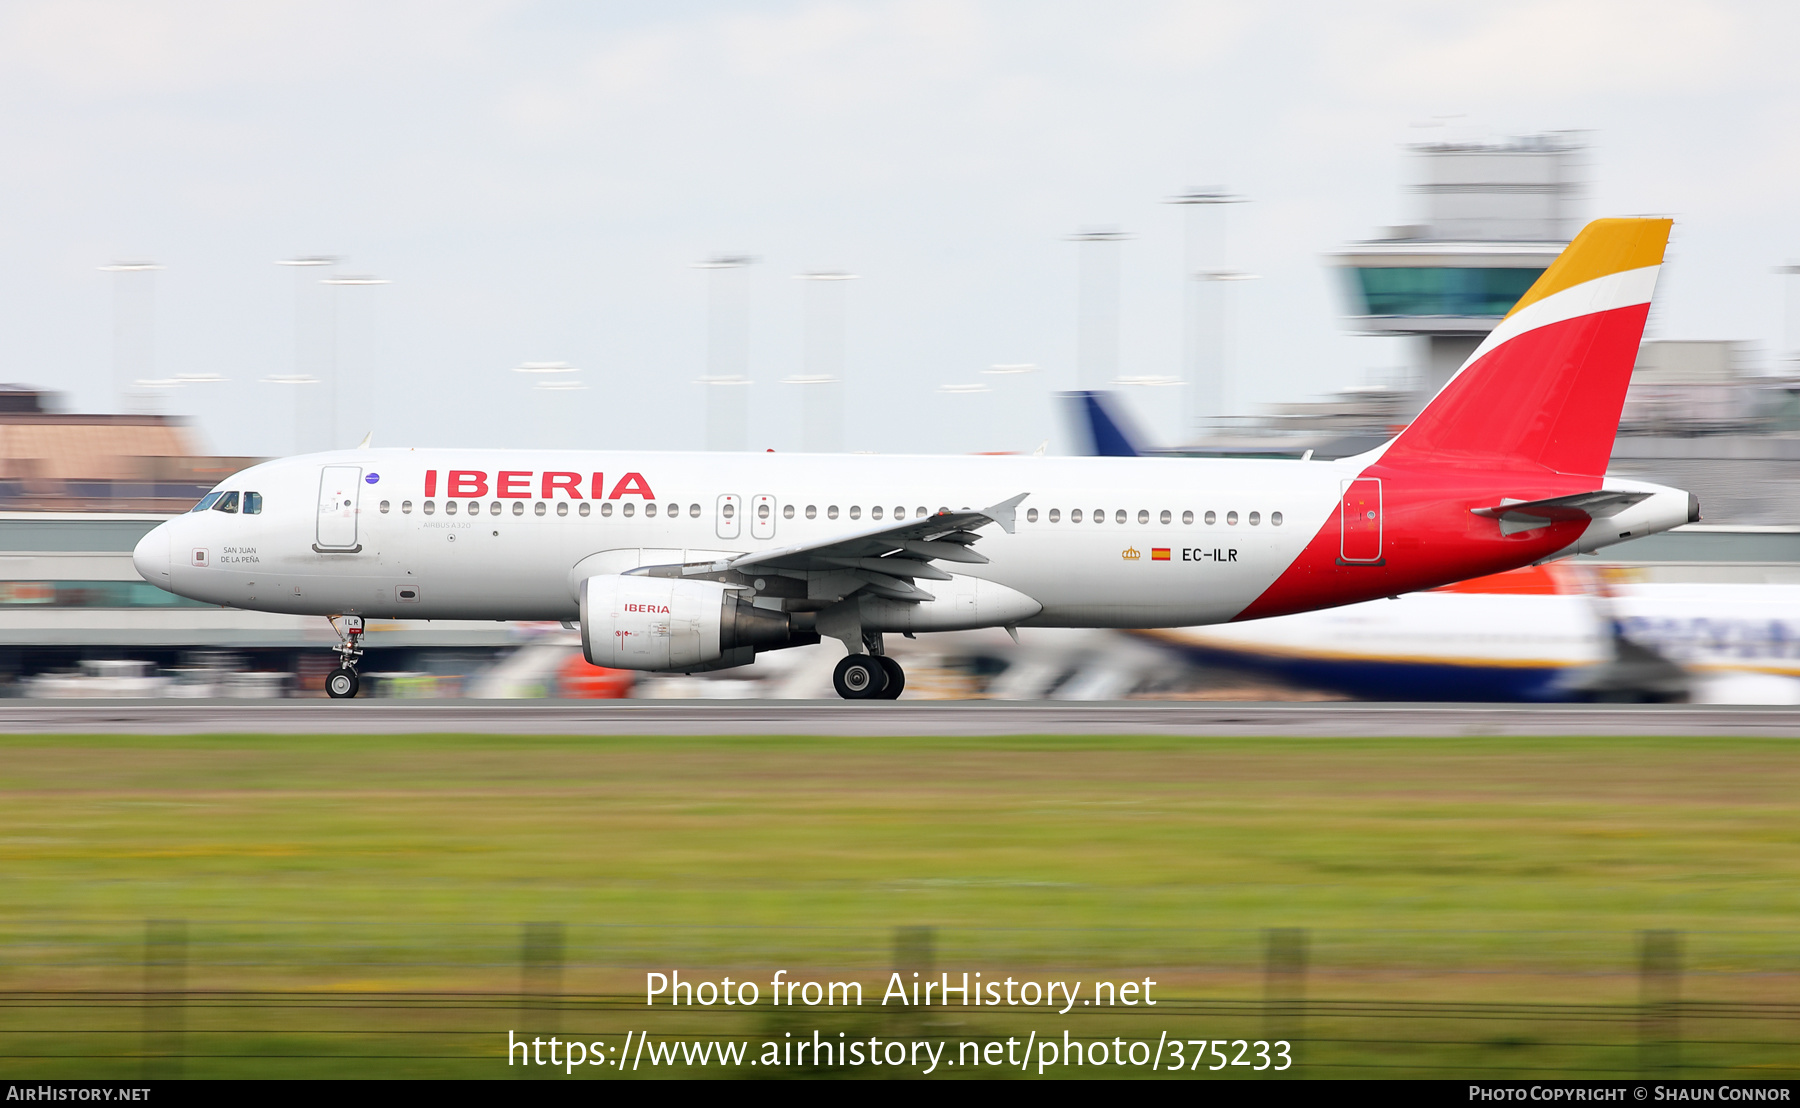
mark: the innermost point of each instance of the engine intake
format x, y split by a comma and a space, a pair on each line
659, 623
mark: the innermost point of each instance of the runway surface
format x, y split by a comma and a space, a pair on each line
836, 717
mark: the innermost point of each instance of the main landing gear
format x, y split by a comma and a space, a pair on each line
869, 677
342, 682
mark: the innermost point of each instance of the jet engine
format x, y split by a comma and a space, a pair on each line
660, 623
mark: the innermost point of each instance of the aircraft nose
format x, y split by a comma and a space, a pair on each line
151, 556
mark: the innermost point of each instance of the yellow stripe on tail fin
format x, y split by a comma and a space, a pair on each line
1603, 246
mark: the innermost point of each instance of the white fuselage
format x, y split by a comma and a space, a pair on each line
372, 532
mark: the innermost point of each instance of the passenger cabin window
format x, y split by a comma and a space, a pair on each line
1275, 519
855, 511
812, 511
693, 511
787, 511
1255, 518
562, 508
584, 509
406, 507
1144, 516
206, 501
449, 507
226, 503
1231, 518
1031, 515
538, 508
875, 512
650, 510
384, 507
430, 507
1165, 517
1056, 515
1211, 518
253, 503
1187, 517
1075, 515
831, 512
628, 508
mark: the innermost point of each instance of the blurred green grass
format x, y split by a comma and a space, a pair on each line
1470, 833
1479, 870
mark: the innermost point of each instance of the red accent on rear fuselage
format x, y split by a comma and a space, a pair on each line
1544, 399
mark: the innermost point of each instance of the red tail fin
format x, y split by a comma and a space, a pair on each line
1546, 387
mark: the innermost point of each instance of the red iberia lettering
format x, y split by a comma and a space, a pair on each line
599, 488
513, 483
467, 482
567, 482
653, 608
632, 484
431, 482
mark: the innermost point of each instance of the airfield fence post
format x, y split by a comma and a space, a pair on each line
1284, 982
1659, 1002
915, 951
165, 996
540, 976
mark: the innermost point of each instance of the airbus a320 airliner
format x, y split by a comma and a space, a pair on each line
689, 562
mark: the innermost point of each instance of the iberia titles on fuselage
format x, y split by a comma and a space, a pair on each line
694, 561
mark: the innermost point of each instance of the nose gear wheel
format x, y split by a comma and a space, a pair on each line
342, 683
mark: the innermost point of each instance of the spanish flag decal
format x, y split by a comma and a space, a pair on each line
1159, 553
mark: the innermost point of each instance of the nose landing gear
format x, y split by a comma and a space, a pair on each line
342, 682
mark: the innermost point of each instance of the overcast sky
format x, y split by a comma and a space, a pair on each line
537, 181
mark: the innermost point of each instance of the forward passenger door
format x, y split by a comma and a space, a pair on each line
340, 488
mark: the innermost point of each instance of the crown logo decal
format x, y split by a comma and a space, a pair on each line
1130, 554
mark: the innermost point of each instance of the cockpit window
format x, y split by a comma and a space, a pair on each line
206, 501
227, 503
253, 503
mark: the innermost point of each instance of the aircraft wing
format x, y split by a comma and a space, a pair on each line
1524, 515
886, 560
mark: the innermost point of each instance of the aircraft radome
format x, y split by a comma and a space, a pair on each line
689, 562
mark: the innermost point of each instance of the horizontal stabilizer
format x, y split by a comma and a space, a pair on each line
1524, 515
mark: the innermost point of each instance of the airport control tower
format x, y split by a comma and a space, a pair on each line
1491, 218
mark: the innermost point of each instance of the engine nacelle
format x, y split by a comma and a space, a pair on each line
662, 623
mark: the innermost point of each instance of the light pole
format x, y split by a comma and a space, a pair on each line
1204, 291
1790, 321
134, 334
361, 370
822, 401
551, 385
967, 411
312, 353
727, 377
1097, 337
1012, 386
